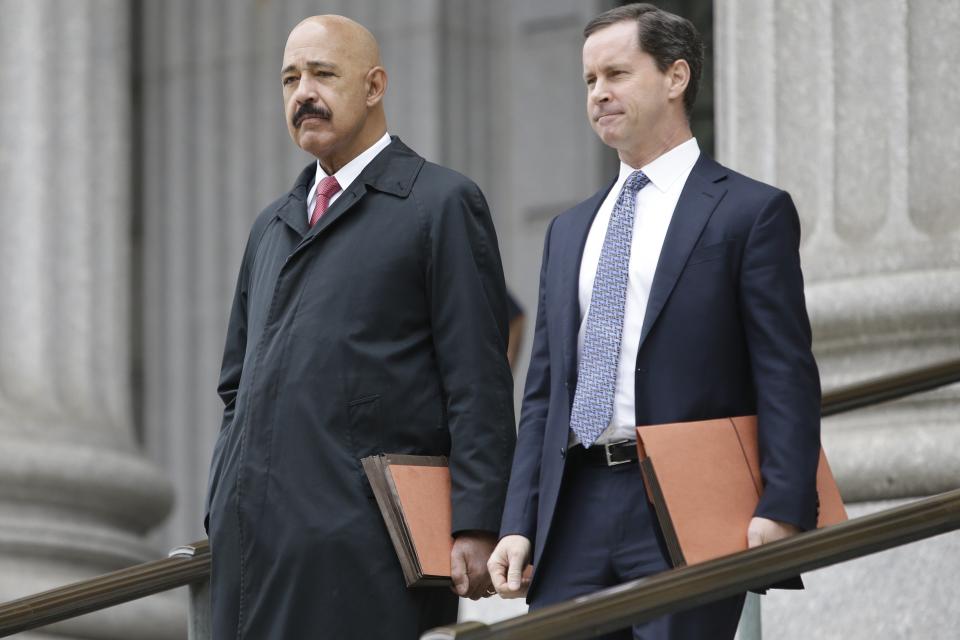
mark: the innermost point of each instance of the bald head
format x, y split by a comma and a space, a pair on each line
333, 86
355, 39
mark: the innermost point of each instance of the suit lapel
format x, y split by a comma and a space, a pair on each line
700, 196
575, 239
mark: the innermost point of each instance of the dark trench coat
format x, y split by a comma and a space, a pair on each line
382, 329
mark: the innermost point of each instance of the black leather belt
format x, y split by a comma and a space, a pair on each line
613, 454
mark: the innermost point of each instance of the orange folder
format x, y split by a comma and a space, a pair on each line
413, 493
704, 481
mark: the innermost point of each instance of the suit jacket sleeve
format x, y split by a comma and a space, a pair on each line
468, 312
520, 513
785, 374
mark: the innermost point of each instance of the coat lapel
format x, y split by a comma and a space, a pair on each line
392, 171
700, 196
344, 203
575, 239
293, 210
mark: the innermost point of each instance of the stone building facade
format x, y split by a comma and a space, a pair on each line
139, 139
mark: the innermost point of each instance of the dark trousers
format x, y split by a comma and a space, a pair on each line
605, 533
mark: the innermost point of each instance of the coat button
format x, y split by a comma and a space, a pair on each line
563, 452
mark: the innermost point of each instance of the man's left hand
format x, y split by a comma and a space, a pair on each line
468, 564
762, 530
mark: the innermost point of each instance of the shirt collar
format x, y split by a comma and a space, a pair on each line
349, 172
667, 168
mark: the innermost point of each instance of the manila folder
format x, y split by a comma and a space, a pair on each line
704, 481
413, 493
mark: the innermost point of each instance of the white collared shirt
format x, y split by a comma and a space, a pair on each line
654, 209
348, 172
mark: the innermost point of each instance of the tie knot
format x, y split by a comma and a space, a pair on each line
636, 181
328, 186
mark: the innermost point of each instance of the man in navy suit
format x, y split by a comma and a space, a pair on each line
673, 294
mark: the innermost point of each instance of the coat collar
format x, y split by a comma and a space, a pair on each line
392, 171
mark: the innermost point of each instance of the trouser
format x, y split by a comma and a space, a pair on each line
605, 533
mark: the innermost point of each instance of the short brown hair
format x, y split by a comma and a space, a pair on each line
666, 36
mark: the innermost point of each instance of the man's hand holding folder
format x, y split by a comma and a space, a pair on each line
468, 569
704, 480
762, 530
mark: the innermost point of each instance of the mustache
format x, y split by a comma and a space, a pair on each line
311, 109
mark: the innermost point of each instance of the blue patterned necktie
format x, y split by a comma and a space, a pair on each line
597, 370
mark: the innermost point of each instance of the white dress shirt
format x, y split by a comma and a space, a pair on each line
654, 210
348, 172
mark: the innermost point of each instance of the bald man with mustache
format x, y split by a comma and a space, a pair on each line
370, 316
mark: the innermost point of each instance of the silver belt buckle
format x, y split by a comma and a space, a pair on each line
606, 451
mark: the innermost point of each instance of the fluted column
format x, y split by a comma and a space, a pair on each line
76, 497
850, 107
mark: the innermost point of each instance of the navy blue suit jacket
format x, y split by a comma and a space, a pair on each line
726, 333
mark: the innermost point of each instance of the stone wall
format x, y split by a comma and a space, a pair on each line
851, 107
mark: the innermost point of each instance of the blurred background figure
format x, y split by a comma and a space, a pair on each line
517, 323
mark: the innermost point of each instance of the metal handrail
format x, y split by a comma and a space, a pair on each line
191, 563
647, 598
887, 388
183, 566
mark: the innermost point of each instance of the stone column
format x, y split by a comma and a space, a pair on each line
850, 106
76, 497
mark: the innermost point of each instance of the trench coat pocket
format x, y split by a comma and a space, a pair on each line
364, 424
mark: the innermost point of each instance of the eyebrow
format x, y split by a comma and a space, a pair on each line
311, 64
607, 68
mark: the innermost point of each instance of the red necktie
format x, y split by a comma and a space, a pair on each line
327, 188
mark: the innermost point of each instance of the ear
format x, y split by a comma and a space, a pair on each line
678, 77
376, 84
